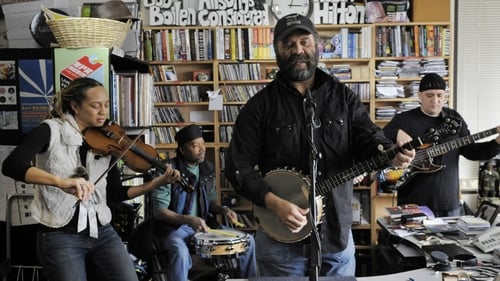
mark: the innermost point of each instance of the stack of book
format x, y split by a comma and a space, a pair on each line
470, 225
396, 213
341, 71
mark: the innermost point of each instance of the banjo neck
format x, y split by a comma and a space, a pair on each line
376, 163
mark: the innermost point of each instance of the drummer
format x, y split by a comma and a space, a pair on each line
180, 213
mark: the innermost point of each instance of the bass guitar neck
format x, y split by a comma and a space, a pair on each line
423, 162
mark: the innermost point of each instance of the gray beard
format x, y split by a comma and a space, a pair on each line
296, 75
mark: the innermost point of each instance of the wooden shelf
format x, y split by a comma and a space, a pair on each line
363, 75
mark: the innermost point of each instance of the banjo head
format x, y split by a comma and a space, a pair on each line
291, 186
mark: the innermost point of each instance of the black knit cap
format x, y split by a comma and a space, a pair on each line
432, 81
187, 134
289, 23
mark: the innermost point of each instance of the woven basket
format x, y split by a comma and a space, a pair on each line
74, 32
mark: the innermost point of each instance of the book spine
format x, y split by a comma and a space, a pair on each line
148, 47
430, 40
209, 43
201, 45
446, 41
227, 43
344, 33
233, 44
416, 40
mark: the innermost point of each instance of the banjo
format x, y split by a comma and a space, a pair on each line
292, 186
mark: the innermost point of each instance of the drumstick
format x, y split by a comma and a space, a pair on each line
222, 232
237, 223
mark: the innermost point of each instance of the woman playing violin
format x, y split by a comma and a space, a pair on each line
71, 192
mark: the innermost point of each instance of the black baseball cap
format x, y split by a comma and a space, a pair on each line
188, 134
290, 23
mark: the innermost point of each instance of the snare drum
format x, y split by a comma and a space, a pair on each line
220, 242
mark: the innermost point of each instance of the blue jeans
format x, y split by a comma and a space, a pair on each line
176, 245
63, 255
288, 259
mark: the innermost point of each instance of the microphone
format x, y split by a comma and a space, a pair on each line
309, 105
309, 110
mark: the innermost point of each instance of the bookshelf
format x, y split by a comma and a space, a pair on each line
408, 49
240, 61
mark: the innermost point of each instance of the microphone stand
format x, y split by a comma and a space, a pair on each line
315, 248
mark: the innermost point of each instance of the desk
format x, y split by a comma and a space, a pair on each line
405, 252
422, 274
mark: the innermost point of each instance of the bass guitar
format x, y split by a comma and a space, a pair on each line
292, 186
422, 163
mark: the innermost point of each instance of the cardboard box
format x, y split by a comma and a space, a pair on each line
21, 7
19, 33
431, 10
19, 20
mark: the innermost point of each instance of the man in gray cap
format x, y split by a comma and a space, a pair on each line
440, 190
180, 213
272, 132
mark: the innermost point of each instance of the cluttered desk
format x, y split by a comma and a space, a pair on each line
420, 247
414, 239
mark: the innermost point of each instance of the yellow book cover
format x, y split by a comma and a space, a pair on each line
430, 41
255, 43
416, 40
233, 44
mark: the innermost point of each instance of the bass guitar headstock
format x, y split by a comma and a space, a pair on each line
449, 127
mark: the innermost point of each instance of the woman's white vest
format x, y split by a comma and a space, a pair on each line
52, 206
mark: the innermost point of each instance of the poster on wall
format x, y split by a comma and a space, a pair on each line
84, 62
36, 88
8, 96
7, 70
8, 120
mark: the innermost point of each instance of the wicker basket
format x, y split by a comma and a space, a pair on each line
74, 32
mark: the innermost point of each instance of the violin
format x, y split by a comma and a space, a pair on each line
110, 139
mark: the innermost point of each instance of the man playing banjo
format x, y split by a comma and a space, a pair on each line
271, 133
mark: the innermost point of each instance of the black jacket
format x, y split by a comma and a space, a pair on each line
271, 132
179, 195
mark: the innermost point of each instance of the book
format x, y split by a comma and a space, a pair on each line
395, 213
168, 73
439, 225
471, 225
327, 46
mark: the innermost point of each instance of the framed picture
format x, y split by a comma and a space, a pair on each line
487, 211
202, 75
489, 178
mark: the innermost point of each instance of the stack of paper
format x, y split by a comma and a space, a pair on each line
471, 225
